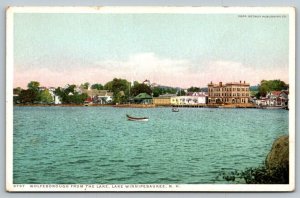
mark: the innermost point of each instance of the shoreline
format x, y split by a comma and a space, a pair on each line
141, 105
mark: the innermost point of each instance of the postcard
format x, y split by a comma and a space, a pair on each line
150, 99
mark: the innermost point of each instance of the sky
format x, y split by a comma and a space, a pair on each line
180, 50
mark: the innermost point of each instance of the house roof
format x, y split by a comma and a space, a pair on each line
228, 84
89, 100
285, 91
276, 93
143, 96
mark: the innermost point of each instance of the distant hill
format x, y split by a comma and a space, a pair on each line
204, 89
168, 87
254, 88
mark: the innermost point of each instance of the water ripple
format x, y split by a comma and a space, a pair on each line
99, 145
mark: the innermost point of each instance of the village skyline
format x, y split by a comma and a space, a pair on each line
169, 49
145, 81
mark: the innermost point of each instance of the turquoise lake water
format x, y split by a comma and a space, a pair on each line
97, 145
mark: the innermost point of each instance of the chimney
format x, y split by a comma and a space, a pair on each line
220, 83
244, 82
240, 81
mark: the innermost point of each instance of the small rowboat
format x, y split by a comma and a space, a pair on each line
137, 119
175, 109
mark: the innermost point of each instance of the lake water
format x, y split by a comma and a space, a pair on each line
97, 145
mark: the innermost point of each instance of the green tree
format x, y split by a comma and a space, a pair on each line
27, 96
193, 89
140, 88
157, 91
270, 85
70, 96
70, 89
118, 97
120, 89
33, 85
85, 85
77, 98
108, 86
97, 86
17, 90
60, 93
46, 97
170, 90
181, 92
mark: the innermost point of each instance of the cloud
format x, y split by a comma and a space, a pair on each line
173, 72
229, 71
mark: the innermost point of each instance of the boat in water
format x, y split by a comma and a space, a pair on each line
137, 118
175, 109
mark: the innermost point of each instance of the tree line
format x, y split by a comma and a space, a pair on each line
123, 91
267, 86
33, 94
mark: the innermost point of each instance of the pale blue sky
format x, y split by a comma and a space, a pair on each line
98, 43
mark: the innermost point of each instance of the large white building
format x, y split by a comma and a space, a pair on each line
190, 99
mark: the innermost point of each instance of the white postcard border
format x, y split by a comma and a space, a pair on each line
146, 187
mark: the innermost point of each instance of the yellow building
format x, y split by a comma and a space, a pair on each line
163, 100
228, 93
176, 100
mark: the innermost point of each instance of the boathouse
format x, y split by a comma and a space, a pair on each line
143, 98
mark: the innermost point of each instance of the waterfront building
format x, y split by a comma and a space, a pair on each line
88, 101
263, 101
104, 97
163, 100
233, 92
195, 98
56, 98
99, 96
277, 98
143, 98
